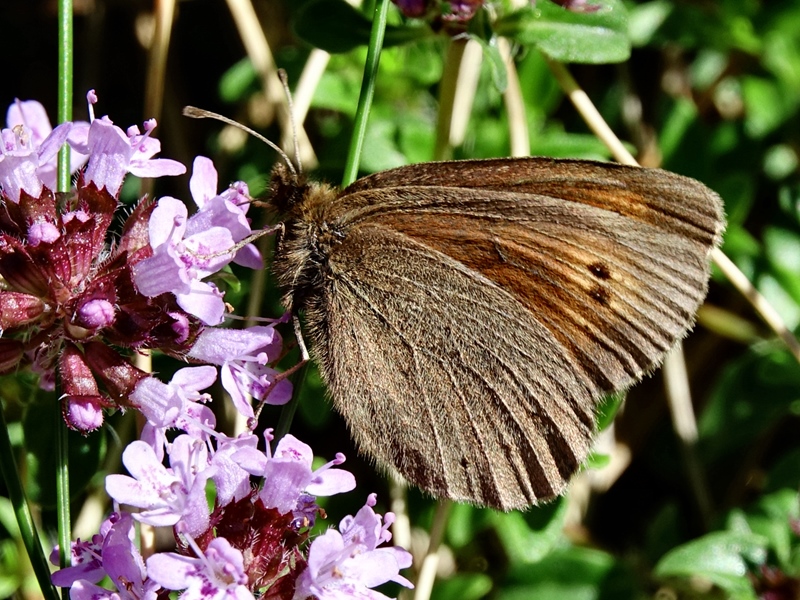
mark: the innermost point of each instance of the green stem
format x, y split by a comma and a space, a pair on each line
65, 85
27, 528
62, 489
367, 91
65, 54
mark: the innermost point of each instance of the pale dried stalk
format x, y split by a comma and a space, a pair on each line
430, 564
258, 50
515, 105
456, 95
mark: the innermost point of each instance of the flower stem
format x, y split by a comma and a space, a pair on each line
65, 54
16, 494
65, 82
367, 91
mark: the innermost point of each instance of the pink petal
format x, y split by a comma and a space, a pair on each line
231, 385
156, 167
204, 180
32, 114
195, 378
332, 481
167, 221
50, 146
329, 544
204, 301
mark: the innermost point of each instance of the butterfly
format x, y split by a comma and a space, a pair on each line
468, 317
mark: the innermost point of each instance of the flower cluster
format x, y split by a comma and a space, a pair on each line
449, 16
69, 295
453, 16
73, 298
78, 300
254, 539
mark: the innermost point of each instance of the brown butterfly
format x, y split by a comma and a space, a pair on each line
467, 316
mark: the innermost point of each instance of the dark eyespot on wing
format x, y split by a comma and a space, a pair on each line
600, 270
600, 295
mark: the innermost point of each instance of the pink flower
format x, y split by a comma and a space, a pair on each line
114, 153
218, 575
119, 558
176, 404
179, 262
29, 148
228, 210
243, 355
348, 562
165, 495
288, 474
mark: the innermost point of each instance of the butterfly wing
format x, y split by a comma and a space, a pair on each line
470, 320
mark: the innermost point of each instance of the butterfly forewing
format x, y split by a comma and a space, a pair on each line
468, 315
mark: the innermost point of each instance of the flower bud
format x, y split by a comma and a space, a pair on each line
95, 314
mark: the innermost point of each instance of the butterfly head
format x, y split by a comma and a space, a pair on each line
286, 189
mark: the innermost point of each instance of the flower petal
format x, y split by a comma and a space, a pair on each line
204, 301
203, 183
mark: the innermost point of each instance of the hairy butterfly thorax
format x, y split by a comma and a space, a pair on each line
305, 241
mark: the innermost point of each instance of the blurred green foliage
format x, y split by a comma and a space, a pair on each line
707, 89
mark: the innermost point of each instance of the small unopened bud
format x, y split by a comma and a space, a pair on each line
18, 309
96, 314
82, 413
42, 232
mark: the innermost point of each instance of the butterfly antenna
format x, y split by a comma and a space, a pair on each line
285, 81
199, 113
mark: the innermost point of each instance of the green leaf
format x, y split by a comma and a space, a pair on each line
782, 250
8, 519
12, 568
464, 523
767, 105
561, 144
337, 92
529, 537
573, 572
721, 557
496, 63
645, 19
596, 460
335, 26
380, 147
753, 393
237, 81
771, 518
608, 408
463, 586
580, 37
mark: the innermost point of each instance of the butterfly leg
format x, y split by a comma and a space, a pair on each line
304, 358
